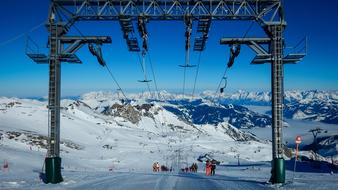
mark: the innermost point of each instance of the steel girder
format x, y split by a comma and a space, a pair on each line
262, 11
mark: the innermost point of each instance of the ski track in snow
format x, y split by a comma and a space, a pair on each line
144, 181
245, 179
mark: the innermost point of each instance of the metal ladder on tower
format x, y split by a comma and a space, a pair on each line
278, 86
278, 168
52, 93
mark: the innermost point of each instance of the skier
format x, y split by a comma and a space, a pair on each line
154, 167
6, 166
213, 167
157, 167
195, 167
208, 168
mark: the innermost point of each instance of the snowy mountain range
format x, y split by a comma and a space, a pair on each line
259, 98
305, 105
199, 112
195, 111
310, 105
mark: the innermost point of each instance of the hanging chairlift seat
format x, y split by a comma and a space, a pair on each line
187, 43
97, 53
225, 84
235, 49
144, 81
187, 66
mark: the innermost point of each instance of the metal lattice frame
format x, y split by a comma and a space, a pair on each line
260, 10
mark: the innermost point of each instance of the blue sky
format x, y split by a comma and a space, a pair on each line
19, 76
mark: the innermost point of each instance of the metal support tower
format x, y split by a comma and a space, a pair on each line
53, 160
274, 55
63, 14
58, 54
277, 81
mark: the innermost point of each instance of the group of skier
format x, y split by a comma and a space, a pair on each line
156, 167
210, 167
193, 168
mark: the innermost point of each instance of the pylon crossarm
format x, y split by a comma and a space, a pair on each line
85, 39
76, 42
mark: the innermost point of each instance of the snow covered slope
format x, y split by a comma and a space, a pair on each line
104, 133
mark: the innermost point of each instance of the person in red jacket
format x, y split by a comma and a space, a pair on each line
6, 166
208, 168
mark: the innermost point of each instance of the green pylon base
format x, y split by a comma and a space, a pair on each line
277, 171
53, 170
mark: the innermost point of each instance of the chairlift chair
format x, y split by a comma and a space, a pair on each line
225, 84
234, 52
96, 51
187, 34
187, 65
144, 81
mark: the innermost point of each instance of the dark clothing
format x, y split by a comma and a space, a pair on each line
213, 168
